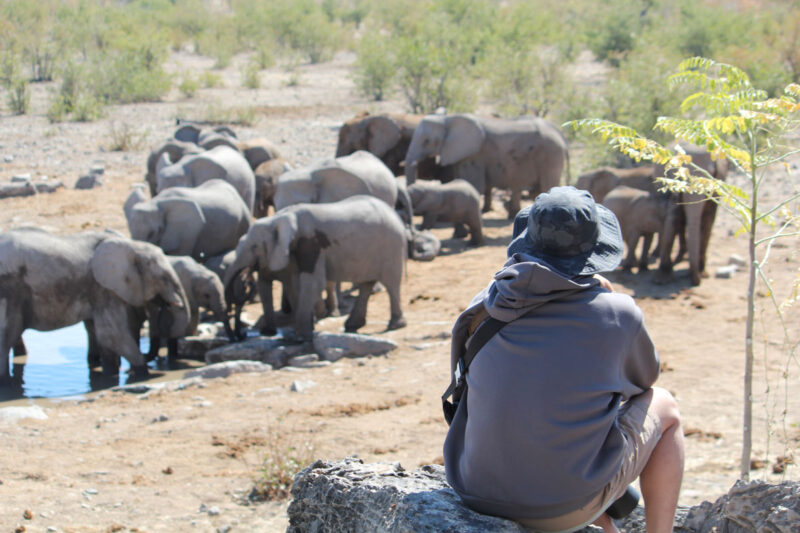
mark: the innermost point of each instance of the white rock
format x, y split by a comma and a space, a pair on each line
332, 346
737, 260
20, 178
726, 272
302, 386
15, 414
223, 370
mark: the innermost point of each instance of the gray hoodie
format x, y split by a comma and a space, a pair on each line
539, 436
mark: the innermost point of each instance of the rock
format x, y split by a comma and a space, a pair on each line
21, 178
265, 349
352, 496
302, 386
8, 158
726, 272
333, 346
20, 188
15, 414
97, 170
89, 181
46, 186
197, 347
737, 260
310, 360
223, 370
381, 497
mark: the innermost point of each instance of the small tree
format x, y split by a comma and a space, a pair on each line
741, 123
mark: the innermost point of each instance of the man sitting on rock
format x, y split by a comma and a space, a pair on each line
559, 414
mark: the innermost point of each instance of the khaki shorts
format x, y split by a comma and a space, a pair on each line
642, 432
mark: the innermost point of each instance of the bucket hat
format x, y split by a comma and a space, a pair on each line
568, 231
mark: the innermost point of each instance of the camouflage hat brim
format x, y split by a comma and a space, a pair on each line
605, 256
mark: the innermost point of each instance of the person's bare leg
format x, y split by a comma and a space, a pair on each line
606, 523
661, 478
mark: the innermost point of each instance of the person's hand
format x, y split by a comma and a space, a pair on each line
604, 283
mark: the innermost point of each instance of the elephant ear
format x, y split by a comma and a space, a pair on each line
163, 162
183, 223
136, 196
115, 266
201, 169
384, 134
187, 133
464, 137
285, 228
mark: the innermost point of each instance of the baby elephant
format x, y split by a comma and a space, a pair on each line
456, 201
640, 214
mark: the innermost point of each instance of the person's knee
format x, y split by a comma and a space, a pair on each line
665, 407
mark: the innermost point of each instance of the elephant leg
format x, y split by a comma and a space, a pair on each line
460, 230
358, 316
112, 329
396, 320
268, 326
707, 223
512, 205
680, 231
19, 348
487, 199
94, 356
428, 220
172, 348
694, 208
666, 239
631, 241
647, 241
475, 228
332, 290
11, 328
155, 344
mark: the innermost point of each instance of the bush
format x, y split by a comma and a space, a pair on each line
251, 76
124, 138
375, 66
188, 86
209, 80
19, 96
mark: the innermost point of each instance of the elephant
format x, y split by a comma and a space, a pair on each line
242, 290
193, 133
387, 136
331, 180
175, 149
695, 213
222, 162
267, 174
640, 214
524, 154
201, 221
51, 281
600, 181
204, 289
258, 151
456, 201
315, 244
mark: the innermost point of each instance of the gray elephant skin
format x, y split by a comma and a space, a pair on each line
201, 222
641, 214
524, 154
693, 213
388, 137
456, 201
204, 289
175, 150
267, 174
258, 151
223, 162
49, 281
315, 244
601, 181
331, 180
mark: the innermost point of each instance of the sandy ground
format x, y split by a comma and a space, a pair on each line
186, 460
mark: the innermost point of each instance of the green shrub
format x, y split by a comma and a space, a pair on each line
613, 28
123, 138
281, 462
188, 85
375, 66
209, 79
251, 76
19, 96
263, 56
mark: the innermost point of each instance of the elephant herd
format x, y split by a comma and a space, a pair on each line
218, 220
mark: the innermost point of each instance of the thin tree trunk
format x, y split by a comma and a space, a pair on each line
747, 423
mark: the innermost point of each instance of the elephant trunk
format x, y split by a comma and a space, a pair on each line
235, 291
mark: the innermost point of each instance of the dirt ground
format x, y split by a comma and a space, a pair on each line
186, 460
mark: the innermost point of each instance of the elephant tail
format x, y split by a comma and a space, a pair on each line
569, 177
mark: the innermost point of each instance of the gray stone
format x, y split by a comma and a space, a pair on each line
302, 386
46, 186
223, 370
14, 414
13, 190
737, 260
382, 497
333, 346
265, 349
8, 158
197, 347
89, 181
726, 272
21, 178
310, 360
97, 170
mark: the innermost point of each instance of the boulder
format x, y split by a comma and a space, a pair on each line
198, 346
265, 349
334, 346
382, 497
223, 370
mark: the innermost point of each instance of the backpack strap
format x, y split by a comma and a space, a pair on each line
458, 384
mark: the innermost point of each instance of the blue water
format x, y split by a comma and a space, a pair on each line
56, 365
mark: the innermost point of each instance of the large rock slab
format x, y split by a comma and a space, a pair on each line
350, 496
223, 370
334, 346
268, 350
28, 188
